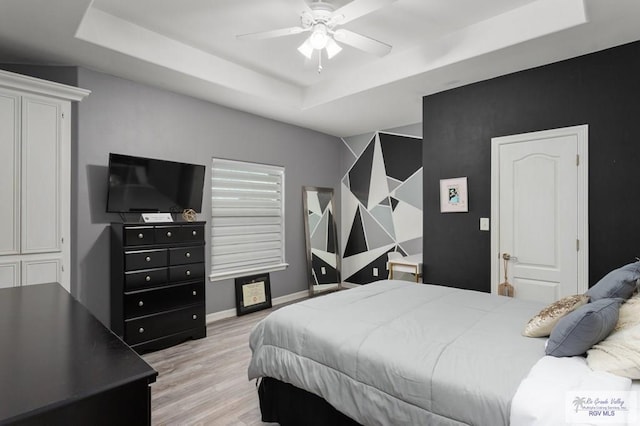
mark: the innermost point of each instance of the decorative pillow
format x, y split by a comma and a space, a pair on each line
542, 324
629, 313
618, 354
621, 282
576, 332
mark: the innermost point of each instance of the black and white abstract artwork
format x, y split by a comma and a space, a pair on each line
381, 203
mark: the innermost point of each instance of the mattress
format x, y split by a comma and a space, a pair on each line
394, 352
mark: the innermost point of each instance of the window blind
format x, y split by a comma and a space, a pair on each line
247, 219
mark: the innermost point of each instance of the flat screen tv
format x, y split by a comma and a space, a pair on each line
138, 184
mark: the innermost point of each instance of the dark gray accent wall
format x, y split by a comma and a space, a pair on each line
601, 89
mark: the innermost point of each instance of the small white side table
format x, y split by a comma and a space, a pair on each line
410, 264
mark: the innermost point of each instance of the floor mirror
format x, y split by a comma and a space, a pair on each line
323, 256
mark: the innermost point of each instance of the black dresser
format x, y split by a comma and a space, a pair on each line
60, 366
157, 283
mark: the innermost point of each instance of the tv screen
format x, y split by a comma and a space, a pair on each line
138, 184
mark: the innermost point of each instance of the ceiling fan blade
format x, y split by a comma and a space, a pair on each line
361, 42
272, 34
356, 9
305, 7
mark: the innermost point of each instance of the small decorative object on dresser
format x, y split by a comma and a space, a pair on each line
253, 293
189, 215
157, 283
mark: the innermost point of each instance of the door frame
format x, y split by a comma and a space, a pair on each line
581, 133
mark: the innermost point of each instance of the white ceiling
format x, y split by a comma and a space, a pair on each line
189, 46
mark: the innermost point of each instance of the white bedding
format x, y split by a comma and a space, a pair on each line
398, 353
541, 397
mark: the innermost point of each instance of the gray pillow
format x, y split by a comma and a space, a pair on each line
576, 332
620, 282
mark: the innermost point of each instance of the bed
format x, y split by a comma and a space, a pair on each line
397, 353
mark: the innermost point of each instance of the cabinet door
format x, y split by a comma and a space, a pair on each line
9, 172
9, 274
40, 271
41, 175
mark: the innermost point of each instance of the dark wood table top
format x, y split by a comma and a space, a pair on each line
54, 352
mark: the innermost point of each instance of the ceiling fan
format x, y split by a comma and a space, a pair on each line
321, 19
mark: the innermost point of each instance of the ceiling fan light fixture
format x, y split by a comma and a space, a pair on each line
306, 49
319, 37
333, 48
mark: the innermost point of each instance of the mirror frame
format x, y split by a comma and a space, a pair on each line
307, 232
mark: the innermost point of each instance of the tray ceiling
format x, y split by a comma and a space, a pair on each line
190, 47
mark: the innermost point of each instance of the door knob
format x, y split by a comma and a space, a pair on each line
507, 256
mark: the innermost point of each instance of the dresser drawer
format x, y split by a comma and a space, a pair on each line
183, 255
145, 302
144, 259
169, 234
192, 233
186, 272
139, 235
162, 324
145, 278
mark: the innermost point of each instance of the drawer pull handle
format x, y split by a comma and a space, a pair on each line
141, 235
147, 278
194, 292
188, 273
141, 330
141, 303
148, 259
194, 316
187, 254
169, 234
194, 233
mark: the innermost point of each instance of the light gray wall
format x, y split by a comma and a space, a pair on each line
130, 118
60, 74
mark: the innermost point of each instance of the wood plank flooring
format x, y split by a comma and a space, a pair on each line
204, 381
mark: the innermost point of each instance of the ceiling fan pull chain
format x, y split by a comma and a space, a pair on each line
319, 61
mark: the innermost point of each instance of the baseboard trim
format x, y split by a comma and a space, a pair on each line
230, 313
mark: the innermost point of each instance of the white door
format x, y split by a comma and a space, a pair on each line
539, 211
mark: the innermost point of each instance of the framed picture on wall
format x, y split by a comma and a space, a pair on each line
252, 293
453, 195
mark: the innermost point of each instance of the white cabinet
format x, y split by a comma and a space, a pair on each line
35, 170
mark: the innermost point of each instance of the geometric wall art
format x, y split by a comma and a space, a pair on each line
381, 203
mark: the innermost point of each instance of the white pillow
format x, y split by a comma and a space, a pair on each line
629, 313
620, 352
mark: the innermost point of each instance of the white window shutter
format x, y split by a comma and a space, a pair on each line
247, 219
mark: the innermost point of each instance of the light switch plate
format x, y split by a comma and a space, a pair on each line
484, 223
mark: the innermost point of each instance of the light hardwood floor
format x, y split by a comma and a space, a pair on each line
204, 381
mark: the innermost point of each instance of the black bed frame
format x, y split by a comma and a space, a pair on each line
288, 405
